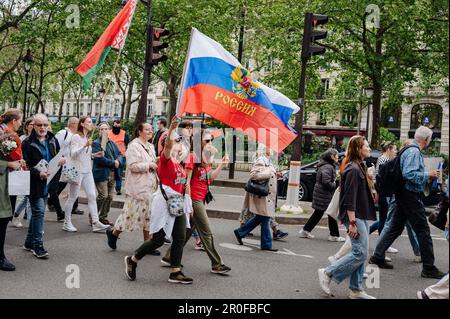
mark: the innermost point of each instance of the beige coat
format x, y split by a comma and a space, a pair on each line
140, 183
262, 169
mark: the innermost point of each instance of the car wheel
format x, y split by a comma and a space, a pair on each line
302, 192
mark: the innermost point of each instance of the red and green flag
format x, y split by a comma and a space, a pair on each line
113, 38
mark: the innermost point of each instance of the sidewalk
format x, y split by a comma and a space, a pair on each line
228, 206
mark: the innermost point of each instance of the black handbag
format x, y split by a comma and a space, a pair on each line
438, 218
259, 188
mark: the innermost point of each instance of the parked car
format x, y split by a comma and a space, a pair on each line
308, 179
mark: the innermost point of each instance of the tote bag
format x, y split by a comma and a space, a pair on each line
333, 207
19, 183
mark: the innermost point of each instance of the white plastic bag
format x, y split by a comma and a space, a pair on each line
333, 207
19, 183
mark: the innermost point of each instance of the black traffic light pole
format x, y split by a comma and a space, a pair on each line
297, 152
141, 115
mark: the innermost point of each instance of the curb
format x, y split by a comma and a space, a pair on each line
231, 184
285, 219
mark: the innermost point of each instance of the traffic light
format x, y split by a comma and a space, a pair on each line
157, 45
310, 35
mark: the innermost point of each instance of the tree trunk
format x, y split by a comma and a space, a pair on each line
377, 90
129, 96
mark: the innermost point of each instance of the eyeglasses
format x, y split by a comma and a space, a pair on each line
41, 125
209, 141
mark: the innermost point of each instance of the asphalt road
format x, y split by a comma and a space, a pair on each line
289, 274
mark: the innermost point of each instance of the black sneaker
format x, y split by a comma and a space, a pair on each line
167, 241
179, 278
130, 268
27, 247
383, 264
238, 237
77, 212
279, 235
40, 252
6, 265
60, 217
112, 240
155, 253
433, 273
222, 269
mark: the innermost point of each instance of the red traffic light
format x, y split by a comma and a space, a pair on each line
318, 19
160, 32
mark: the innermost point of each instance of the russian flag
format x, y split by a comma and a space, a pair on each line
215, 83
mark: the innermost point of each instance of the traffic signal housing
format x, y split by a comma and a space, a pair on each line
311, 35
156, 55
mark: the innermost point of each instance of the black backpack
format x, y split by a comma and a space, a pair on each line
389, 179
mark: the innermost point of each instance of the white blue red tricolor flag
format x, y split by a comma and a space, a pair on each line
215, 83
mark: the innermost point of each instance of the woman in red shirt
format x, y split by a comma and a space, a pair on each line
199, 176
172, 177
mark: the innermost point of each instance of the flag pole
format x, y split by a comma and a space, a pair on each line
185, 71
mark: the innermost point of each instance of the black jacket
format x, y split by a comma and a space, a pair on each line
355, 194
32, 156
325, 184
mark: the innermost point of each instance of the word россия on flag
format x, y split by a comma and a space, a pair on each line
215, 83
113, 38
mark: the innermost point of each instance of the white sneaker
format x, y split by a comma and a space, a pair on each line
16, 222
392, 250
305, 234
336, 238
417, 259
332, 260
98, 227
359, 294
324, 281
388, 259
69, 227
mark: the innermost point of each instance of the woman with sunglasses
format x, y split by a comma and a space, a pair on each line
163, 225
81, 152
199, 176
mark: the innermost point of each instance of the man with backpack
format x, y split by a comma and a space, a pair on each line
405, 177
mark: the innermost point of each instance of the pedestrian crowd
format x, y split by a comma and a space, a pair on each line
166, 190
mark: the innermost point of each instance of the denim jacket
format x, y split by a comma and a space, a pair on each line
413, 169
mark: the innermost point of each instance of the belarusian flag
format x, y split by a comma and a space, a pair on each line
113, 37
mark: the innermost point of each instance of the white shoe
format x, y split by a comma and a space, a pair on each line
69, 227
392, 250
305, 234
388, 259
360, 294
417, 259
336, 238
98, 227
324, 281
332, 260
16, 222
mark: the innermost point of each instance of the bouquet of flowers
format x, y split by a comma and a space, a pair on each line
7, 144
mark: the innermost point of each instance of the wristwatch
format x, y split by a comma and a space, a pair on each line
353, 222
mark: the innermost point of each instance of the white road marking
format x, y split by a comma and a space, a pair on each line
235, 247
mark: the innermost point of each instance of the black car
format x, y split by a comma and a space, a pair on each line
308, 179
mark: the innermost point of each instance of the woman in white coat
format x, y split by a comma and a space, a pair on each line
81, 153
263, 207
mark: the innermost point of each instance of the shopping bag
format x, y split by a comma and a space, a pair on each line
333, 207
71, 172
19, 183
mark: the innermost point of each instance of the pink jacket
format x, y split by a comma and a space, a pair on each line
140, 183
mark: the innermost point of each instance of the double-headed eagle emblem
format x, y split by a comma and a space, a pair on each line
244, 86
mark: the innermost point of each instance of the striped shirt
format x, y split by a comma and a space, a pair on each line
381, 161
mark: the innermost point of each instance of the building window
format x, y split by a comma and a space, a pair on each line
82, 110
321, 119
74, 111
429, 115
165, 107
67, 108
321, 94
149, 107
117, 107
349, 117
165, 92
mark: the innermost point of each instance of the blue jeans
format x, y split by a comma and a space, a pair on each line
36, 224
120, 172
383, 207
266, 238
24, 204
352, 265
380, 248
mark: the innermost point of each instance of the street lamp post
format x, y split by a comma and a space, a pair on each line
27, 62
101, 93
369, 93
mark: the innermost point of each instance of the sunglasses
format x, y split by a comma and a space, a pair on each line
209, 141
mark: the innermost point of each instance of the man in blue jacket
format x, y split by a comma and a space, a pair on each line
106, 172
